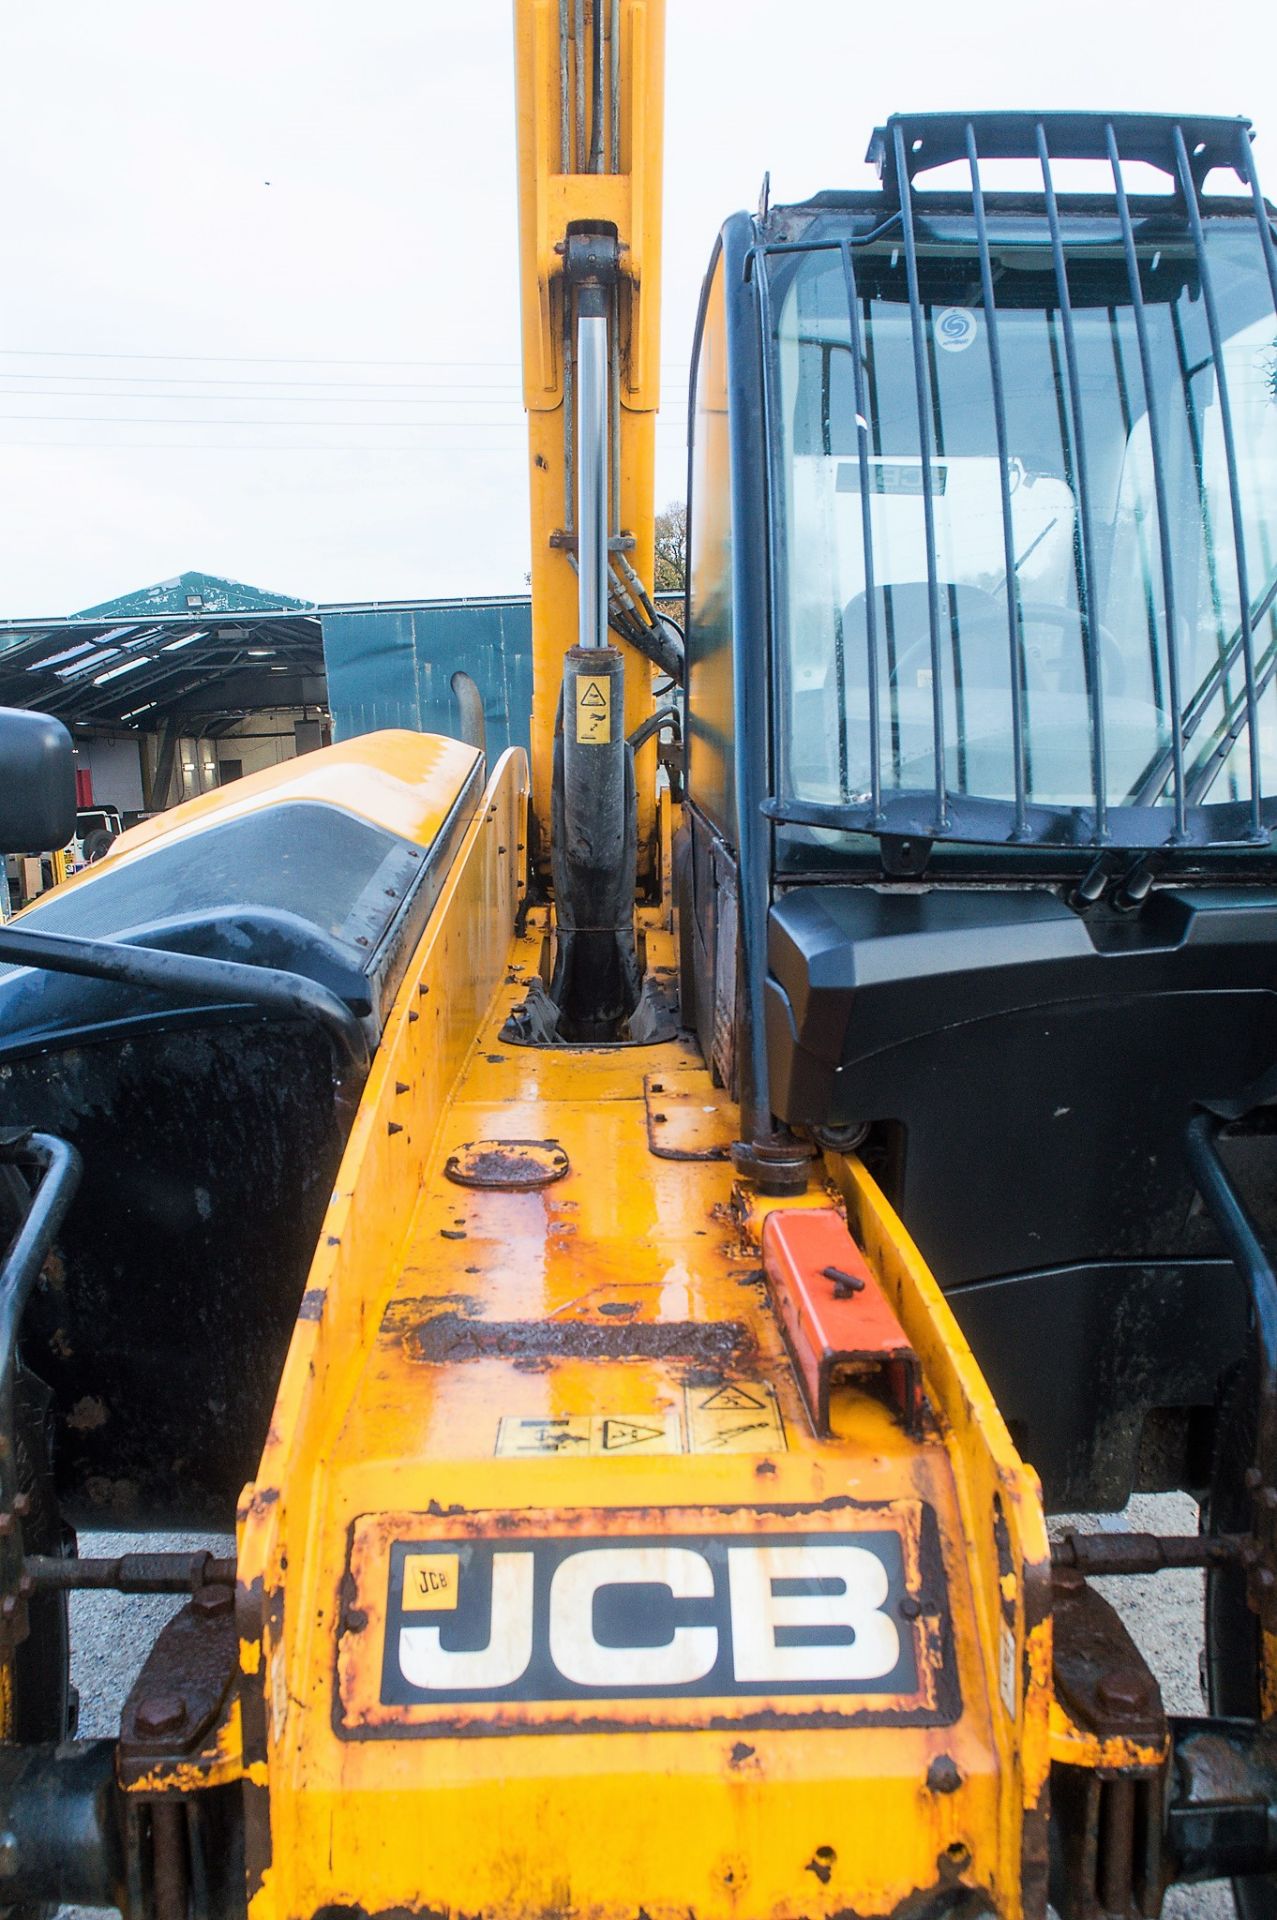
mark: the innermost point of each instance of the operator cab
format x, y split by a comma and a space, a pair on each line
982, 736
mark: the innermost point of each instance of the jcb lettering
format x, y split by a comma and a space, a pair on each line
834, 1594
563, 1619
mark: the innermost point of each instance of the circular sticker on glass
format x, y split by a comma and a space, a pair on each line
955, 328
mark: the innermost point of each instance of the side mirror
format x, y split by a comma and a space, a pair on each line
37, 782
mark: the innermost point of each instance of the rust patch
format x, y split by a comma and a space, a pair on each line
449, 1337
513, 1166
117, 1496
88, 1414
403, 1314
335, 1912
822, 1865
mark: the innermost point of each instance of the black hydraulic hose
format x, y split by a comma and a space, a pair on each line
60, 1167
198, 977
663, 717
1247, 1251
1236, 1229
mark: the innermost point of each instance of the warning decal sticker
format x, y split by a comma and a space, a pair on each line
736, 1416
520, 1621
593, 709
589, 1433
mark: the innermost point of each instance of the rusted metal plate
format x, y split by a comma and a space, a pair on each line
183, 1690
1100, 1676
590, 1620
447, 1337
687, 1117
509, 1165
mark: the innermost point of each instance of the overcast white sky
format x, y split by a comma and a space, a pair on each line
259, 310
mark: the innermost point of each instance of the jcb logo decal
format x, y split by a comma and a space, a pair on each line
552, 1619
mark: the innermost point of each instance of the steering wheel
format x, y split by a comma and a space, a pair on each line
1047, 613
990, 625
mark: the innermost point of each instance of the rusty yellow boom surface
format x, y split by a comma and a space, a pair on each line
555, 1601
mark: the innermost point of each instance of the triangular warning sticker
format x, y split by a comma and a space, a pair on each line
628, 1433
733, 1399
593, 695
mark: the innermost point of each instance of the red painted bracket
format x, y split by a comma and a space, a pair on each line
838, 1324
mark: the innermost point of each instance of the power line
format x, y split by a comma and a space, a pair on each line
281, 399
258, 359
193, 380
240, 420
252, 446
239, 359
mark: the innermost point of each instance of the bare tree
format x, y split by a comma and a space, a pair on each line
671, 549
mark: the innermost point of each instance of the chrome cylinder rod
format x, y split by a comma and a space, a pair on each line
592, 467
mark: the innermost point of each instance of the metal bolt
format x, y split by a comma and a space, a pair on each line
1122, 1690
943, 1775
22, 1505
8, 1856
1268, 1498
160, 1713
214, 1600
1251, 1478
6, 1525
1266, 1579
910, 1606
9, 1606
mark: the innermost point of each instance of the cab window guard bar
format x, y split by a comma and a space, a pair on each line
1186, 149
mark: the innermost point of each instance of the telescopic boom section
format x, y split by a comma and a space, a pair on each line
590, 87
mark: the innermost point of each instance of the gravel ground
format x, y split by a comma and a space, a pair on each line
111, 1637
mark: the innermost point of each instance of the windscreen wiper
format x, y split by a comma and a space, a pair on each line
1153, 785
1031, 548
1133, 885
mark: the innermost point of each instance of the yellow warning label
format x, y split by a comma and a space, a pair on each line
610, 1433
738, 1416
544, 1438
593, 709
430, 1582
636, 1433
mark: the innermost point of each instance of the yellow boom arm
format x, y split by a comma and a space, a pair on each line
590, 86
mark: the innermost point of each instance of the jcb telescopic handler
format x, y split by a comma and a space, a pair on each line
631, 1222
